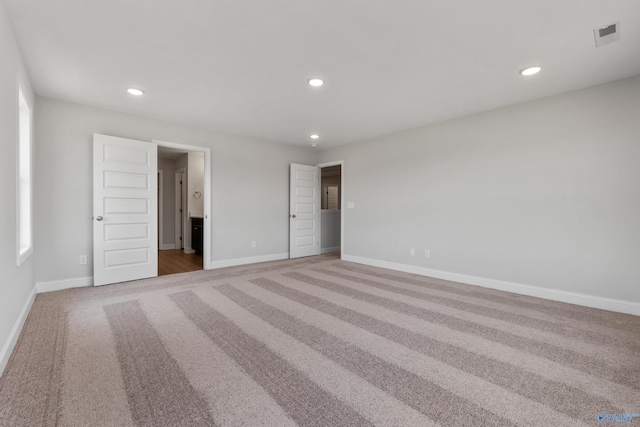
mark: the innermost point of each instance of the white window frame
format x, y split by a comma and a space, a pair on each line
24, 184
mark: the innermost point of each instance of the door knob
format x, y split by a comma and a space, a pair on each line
293, 216
99, 218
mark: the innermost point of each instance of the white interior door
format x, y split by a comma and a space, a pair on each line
304, 211
125, 209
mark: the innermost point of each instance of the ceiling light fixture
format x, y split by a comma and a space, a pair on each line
530, 71
314, 136
135, 92
313, 144
315, 82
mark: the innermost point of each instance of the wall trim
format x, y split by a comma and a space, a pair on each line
58, 285
168, 246
12, 339
593, 301
249, 260
329, 250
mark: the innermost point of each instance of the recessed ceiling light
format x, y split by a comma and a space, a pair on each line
134, 91
313, 144
530, 71
315, 82
314, 136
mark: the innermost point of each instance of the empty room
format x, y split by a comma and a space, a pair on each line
319, 213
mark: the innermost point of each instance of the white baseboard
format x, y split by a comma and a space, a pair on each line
12, 339
329, 250
534, 291
250, 260
167, 247
58, 285
189, 251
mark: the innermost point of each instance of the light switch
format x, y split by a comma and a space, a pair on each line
351, 205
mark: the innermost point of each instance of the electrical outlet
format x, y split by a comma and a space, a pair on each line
83, 259
427, 253
253, 243
412, 251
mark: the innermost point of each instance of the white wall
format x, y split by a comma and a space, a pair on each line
17, 284
182, 162
193, 164
195, 182
330, 229
250, 182
545, 193
168, 167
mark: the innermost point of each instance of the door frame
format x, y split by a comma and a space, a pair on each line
206, 244
343, 206
160, 210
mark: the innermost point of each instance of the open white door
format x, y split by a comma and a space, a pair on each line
125, 242
304, 211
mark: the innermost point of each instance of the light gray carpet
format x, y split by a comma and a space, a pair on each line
316, 342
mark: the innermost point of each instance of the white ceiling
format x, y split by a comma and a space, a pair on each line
240, 66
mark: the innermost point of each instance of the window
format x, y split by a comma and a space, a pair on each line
24, 178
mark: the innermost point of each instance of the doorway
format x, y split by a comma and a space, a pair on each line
331, 207
129, 229
185, 210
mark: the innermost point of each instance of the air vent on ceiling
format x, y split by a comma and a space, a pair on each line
607, 34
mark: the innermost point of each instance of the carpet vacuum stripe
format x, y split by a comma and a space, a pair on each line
587, 364
154, 399
315, 342
37, 363
234, 398
594, 324
442, 406
303, 400
593, 349
558, 396
542, 325
372, 403
564, 310
603, 388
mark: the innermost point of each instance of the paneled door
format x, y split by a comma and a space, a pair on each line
125, 206
304, 211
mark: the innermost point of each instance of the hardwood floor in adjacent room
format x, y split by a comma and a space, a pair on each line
176, 261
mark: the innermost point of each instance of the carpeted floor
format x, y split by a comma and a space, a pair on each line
316, 342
